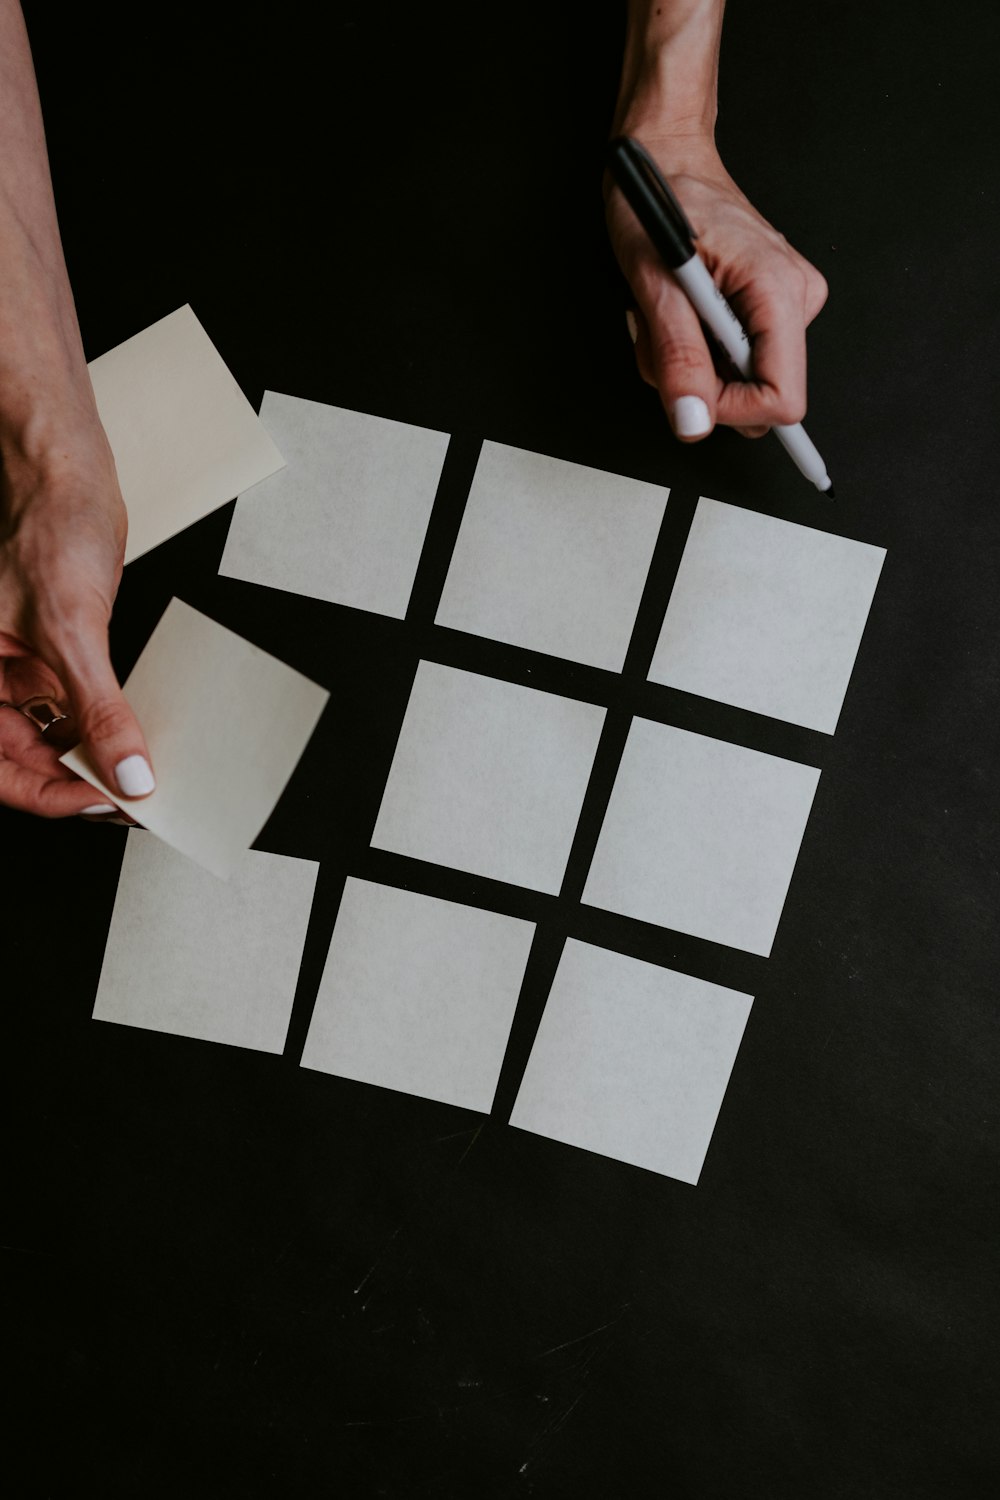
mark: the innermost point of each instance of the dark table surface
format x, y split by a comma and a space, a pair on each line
235, 1277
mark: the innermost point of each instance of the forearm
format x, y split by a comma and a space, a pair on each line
44, 385
669, 85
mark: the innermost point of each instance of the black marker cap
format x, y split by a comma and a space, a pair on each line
651, 200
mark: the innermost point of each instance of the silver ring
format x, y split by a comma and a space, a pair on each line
43, 712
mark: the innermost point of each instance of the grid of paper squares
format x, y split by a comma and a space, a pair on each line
196, 956
345, 520
767, 615
418, 995
552, 556
488, 777
631, 1060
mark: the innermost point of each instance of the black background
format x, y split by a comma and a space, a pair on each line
232, 1276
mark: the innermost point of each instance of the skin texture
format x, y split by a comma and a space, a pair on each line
62, 518
668, 102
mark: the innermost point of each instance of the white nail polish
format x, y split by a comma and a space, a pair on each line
98, 809
631, 324
134, 777
690, 416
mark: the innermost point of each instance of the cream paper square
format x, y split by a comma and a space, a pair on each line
631, 1061
200, 957
418, 995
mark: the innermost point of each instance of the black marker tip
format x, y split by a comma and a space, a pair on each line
830, 493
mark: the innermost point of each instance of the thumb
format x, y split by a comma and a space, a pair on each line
109, 731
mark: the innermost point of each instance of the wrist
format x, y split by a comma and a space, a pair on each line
47, 408
669, 83
52, 448
677, 151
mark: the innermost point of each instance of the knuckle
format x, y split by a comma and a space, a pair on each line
680, 362
104, 720
46, 806
819, 287
817, 293
771, 285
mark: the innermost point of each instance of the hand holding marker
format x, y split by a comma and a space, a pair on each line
662, 217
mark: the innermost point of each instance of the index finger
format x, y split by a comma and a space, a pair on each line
31, 777
777, 393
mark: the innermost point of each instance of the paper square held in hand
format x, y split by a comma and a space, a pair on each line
552, 556
345, 521
767, 615
418, 995
200, 957
701, 836
488, 777
185, 438
631, 1061
225, 724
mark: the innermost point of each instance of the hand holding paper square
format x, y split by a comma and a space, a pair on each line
225, 724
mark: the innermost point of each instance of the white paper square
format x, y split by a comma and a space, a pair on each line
345, 521
631, 1061
488, 777
225, 724
701, 836
552, 556
199, 957
418, 995
767, 615
185, 438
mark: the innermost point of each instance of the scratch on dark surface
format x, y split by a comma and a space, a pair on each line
595, 1354
561, 1422
292, 1240
396, 1232
581, 1336
379, 1257
386, 1422
478, 1132
550, 1429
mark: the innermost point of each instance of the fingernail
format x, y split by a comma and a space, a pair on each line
98, 809
631, 324
134, 777
690, 417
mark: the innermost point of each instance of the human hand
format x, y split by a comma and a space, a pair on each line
774, 291
62, 542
